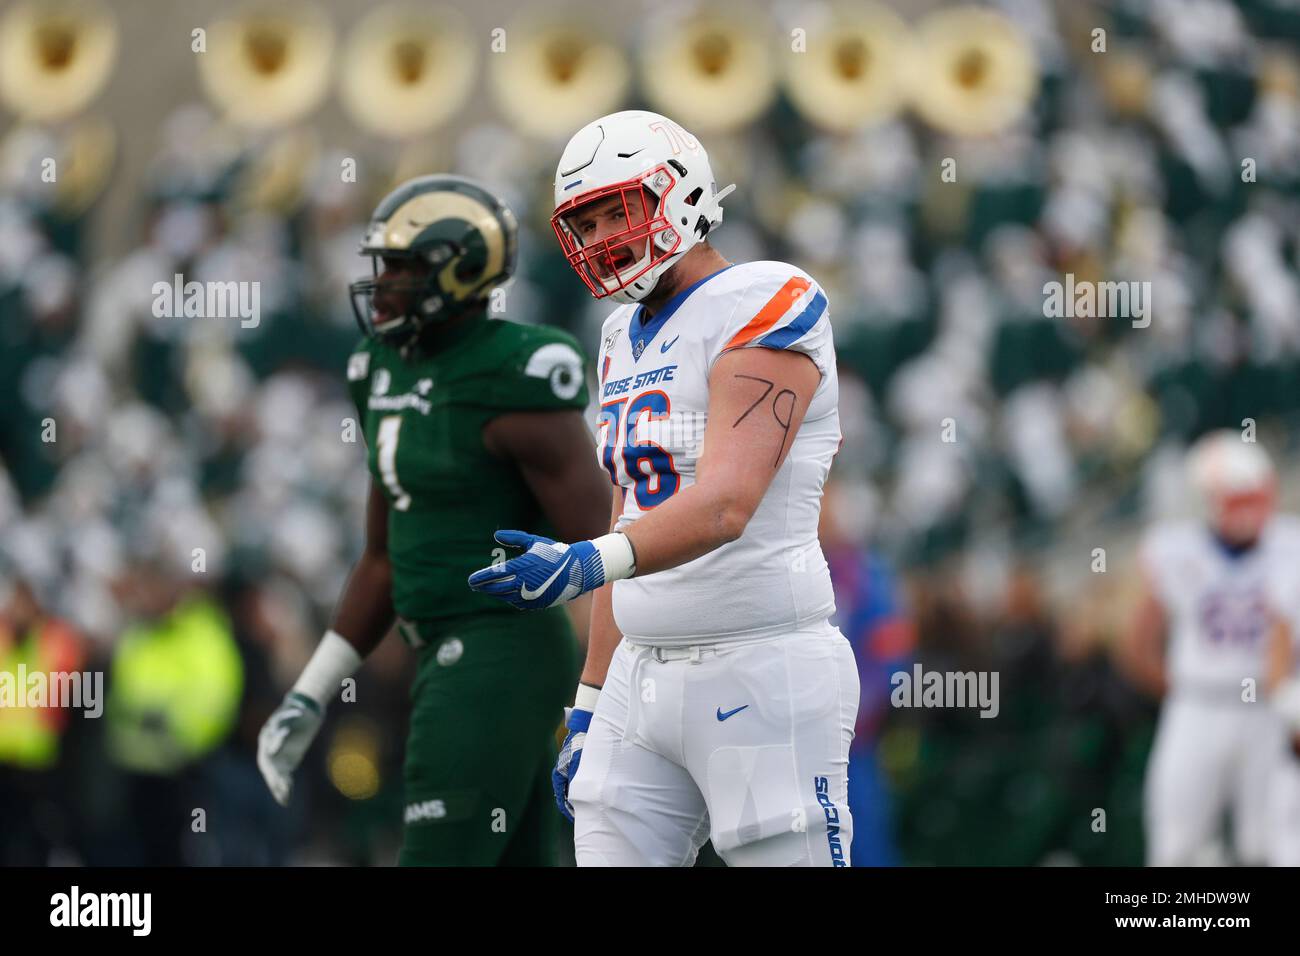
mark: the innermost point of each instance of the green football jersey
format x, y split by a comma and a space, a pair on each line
423, 422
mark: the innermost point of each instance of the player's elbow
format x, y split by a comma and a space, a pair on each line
730, 518
723, 508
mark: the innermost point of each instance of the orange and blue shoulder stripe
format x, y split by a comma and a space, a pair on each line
760, 327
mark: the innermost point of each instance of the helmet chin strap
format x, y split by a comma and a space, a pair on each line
627, 296
617, 278
623, 292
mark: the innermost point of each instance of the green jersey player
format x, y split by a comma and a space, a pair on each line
471, 426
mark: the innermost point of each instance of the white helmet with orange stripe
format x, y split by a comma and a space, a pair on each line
1236, 480
654, 178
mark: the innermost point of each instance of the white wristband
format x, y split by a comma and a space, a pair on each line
334, 660
617, 555
586, 697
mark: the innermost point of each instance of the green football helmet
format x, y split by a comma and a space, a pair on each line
449, 242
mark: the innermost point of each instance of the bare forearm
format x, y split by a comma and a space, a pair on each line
579, 611
603, 637
365, 610
1148, 673
689, 525
603, 634
1279, 656
1144, 662
1142, 652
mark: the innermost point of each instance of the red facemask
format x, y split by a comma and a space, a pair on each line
604, 266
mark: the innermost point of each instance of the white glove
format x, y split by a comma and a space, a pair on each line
284, 739
289, 731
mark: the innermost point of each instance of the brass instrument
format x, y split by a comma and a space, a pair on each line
55, 56
552, 79
267, 66
852, 73
712, 71
973, 71
407, 69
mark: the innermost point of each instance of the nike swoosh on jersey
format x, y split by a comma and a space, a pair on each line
667, 345
730, 713
529, 595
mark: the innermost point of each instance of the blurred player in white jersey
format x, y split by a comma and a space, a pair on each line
1213, 594
716, 700
1284, 695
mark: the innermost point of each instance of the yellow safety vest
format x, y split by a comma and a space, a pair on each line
174, 689
30, 736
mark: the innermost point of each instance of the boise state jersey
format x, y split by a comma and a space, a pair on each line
653, 411
1220, 607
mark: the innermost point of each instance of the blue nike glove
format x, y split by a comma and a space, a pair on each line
551, 572
578, 721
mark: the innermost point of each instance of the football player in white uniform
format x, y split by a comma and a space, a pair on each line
1284, 695
1214, 591
716, 700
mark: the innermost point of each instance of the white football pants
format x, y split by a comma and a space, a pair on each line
743, 744
1210, 758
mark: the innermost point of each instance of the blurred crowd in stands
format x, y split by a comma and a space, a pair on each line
180, 500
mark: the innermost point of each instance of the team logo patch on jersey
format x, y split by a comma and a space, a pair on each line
561, 365
383, 378
450, 651
358, 366
637, 348
611, 339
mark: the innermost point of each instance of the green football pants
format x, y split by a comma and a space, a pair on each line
488, 697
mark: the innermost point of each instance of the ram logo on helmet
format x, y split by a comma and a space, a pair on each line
438, 246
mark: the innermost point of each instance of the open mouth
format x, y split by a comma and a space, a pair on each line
382, 311
622, 257
614, 261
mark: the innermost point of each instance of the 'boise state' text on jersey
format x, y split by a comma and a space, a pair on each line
652, 412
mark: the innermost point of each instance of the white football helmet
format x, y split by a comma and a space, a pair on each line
1237, 483
646, 160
